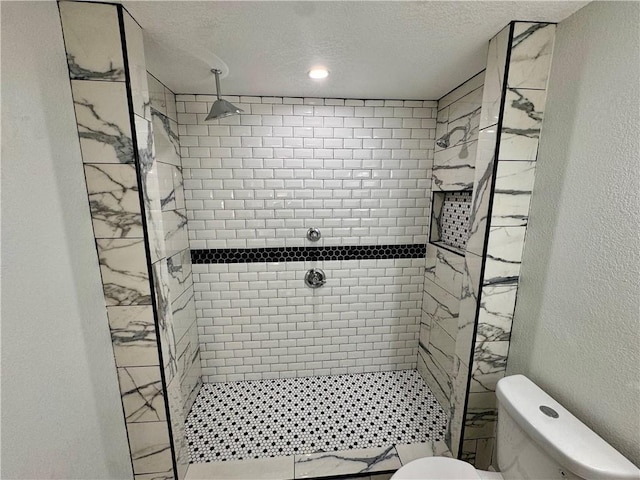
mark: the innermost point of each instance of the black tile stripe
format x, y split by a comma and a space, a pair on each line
301, 254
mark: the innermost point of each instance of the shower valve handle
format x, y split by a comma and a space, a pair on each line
315, 278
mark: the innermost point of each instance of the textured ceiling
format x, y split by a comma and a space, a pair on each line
409, 50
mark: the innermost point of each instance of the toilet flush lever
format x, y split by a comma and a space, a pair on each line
315, 278
313, 234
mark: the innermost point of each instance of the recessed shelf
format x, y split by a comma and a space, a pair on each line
450, 215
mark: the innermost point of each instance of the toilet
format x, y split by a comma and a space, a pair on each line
536, 439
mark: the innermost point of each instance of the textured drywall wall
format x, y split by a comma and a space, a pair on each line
61, 413
576, 329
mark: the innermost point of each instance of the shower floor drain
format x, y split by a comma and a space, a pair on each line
269, 418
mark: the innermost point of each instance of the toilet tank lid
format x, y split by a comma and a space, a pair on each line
565, 438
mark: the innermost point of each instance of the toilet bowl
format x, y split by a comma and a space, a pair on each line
536, 438
442, 468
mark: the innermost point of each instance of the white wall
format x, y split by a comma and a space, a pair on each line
576, 329
61, 415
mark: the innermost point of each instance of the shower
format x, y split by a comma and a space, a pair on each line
221, 108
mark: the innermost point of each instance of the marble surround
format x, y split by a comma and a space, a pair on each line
453, 170
510, 124
134, 186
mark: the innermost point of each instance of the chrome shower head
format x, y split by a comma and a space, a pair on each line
221, 108
443, 141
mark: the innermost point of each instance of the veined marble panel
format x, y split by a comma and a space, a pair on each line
102, 115
482, 413
157, 95
114, 200
464, 118
521, 124
168, 475
531, 51
179, 269
512, 193
478, 452
150, 448
441, 348
125, 278
133, 333
456, 404
453, 168
347, 462
176, 237
150, 188
434, 376
496, 313
170, 99
442, 121
436, 214
468, 306
92, 41
166, 139
414, 451
504, 254
484, 170
449, 269
137, 67
191, 386
141, 392
489, 365
274, 468
165, 183
184, 313
425, 328
441, 306
178, 415
494, 78
165, 319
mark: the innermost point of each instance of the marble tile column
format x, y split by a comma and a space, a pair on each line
108, 77
513, 104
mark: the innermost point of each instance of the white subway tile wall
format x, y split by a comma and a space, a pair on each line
360, 170
259, 321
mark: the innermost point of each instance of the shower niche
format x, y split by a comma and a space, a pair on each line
450, 220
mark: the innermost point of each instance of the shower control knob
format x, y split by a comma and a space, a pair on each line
315, 278
313, 234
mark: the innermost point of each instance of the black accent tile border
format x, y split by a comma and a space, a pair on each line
302, 254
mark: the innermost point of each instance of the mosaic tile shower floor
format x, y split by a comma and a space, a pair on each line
269, 418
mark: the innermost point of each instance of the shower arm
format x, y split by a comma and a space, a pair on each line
217, 73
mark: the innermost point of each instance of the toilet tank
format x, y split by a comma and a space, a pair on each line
539, 439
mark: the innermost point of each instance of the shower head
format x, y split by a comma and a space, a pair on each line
443, 141
221, 108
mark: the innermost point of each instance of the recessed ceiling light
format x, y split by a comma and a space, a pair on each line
318, 73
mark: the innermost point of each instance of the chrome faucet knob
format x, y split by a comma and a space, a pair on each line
315, 278
313, 234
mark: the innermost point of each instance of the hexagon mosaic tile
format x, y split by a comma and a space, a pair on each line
300, 254
269, 418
